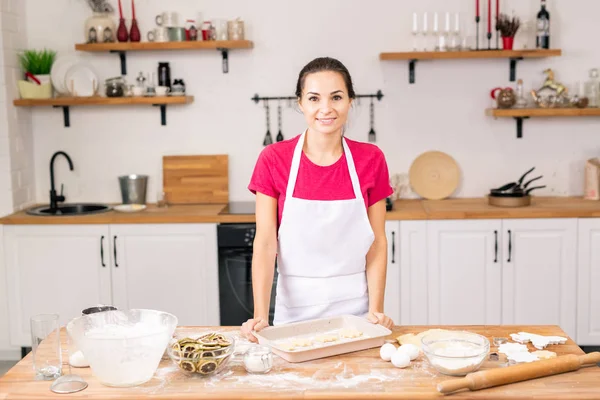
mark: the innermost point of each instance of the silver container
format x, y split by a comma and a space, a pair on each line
133, 188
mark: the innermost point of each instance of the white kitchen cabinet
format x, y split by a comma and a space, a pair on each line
464, 272
588, 302
539, 272
168, 267
406, 287
413, 273
58, 269
392, 297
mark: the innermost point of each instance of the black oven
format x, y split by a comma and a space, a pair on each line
235, 274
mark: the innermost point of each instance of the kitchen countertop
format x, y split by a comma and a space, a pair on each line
359, 375
463, 208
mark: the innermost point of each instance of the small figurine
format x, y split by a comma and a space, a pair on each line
551, 94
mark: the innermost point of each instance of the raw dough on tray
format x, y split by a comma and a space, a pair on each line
326, 338
302, 342
350, 333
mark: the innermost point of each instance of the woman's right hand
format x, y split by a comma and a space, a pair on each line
255, 324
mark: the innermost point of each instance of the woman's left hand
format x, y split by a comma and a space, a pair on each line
381, 319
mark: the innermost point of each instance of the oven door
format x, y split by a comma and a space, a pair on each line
235, 287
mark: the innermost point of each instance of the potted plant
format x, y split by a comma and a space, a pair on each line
508, 28
100, 27
36, 65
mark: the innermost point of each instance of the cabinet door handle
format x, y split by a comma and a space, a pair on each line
393, 247
495, 246
509, 246
102, 251
115, 250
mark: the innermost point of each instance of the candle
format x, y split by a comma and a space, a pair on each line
435, 22
489, 16
415, 24
457, 22
477, 8
425, 22
447, 22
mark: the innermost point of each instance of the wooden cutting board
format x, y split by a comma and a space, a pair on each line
196, 179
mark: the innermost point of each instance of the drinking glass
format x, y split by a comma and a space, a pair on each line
45, 346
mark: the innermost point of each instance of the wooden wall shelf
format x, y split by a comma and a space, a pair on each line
512, 55
66, 102
519, 114
122, 48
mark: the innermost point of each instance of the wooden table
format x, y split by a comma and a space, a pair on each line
360, 375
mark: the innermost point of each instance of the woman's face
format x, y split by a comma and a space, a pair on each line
325, 102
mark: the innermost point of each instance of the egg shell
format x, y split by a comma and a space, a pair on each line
386, 351
400, 359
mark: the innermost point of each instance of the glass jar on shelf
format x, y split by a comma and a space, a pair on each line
592, 88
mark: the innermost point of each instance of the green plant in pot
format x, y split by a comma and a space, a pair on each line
36, 65
508, 28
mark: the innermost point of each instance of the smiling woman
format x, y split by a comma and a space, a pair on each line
320, 210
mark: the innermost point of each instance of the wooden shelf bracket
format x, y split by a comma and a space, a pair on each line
513, 68
66, 115
123, 58
520, 126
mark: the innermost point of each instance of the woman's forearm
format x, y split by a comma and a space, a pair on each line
263, 271
376, 273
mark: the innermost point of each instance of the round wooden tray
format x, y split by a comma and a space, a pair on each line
434, 175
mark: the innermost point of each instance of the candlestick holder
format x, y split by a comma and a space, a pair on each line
477, 20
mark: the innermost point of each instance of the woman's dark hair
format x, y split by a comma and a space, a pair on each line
322, 64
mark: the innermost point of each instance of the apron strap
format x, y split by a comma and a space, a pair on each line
296, 166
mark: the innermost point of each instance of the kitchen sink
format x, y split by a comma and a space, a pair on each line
69, 209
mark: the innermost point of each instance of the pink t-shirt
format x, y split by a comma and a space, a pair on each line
314, 182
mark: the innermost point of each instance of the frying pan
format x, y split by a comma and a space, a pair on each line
518, 193
512, 185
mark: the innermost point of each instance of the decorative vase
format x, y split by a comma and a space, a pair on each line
507, 42
134, 33
122, 35
100, 28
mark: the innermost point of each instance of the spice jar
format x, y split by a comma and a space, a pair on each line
258, 360
115, 87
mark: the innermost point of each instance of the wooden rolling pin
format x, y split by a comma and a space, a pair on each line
517, 373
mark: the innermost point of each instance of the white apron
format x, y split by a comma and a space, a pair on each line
322, 252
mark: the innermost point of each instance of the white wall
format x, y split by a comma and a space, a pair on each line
444, 110
17, 183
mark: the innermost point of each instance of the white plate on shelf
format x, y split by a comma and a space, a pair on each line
59, 70
177, 94
129, 208
81, 80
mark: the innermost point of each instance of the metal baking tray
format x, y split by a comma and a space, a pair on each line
372, 336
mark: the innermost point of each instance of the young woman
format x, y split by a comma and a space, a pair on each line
320, 209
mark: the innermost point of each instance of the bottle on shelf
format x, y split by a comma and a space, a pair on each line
543, 28
592, 90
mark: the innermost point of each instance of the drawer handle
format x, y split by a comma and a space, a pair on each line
495, 246
115, 250
509, 246
393, 247
102, 251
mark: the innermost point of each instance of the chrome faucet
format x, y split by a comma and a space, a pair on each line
54, 198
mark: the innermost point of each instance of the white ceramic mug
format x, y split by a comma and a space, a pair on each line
167, 19
138, 91
158, 34
162, 90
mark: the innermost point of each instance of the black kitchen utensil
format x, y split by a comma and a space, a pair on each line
279, 134
532, 180
372, 136
522, 178
533, 188
268, 139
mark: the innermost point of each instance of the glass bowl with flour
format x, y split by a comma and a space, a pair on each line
123, 348
455, 353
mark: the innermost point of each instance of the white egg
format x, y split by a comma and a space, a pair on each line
400, 359
386, 351
411, 350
